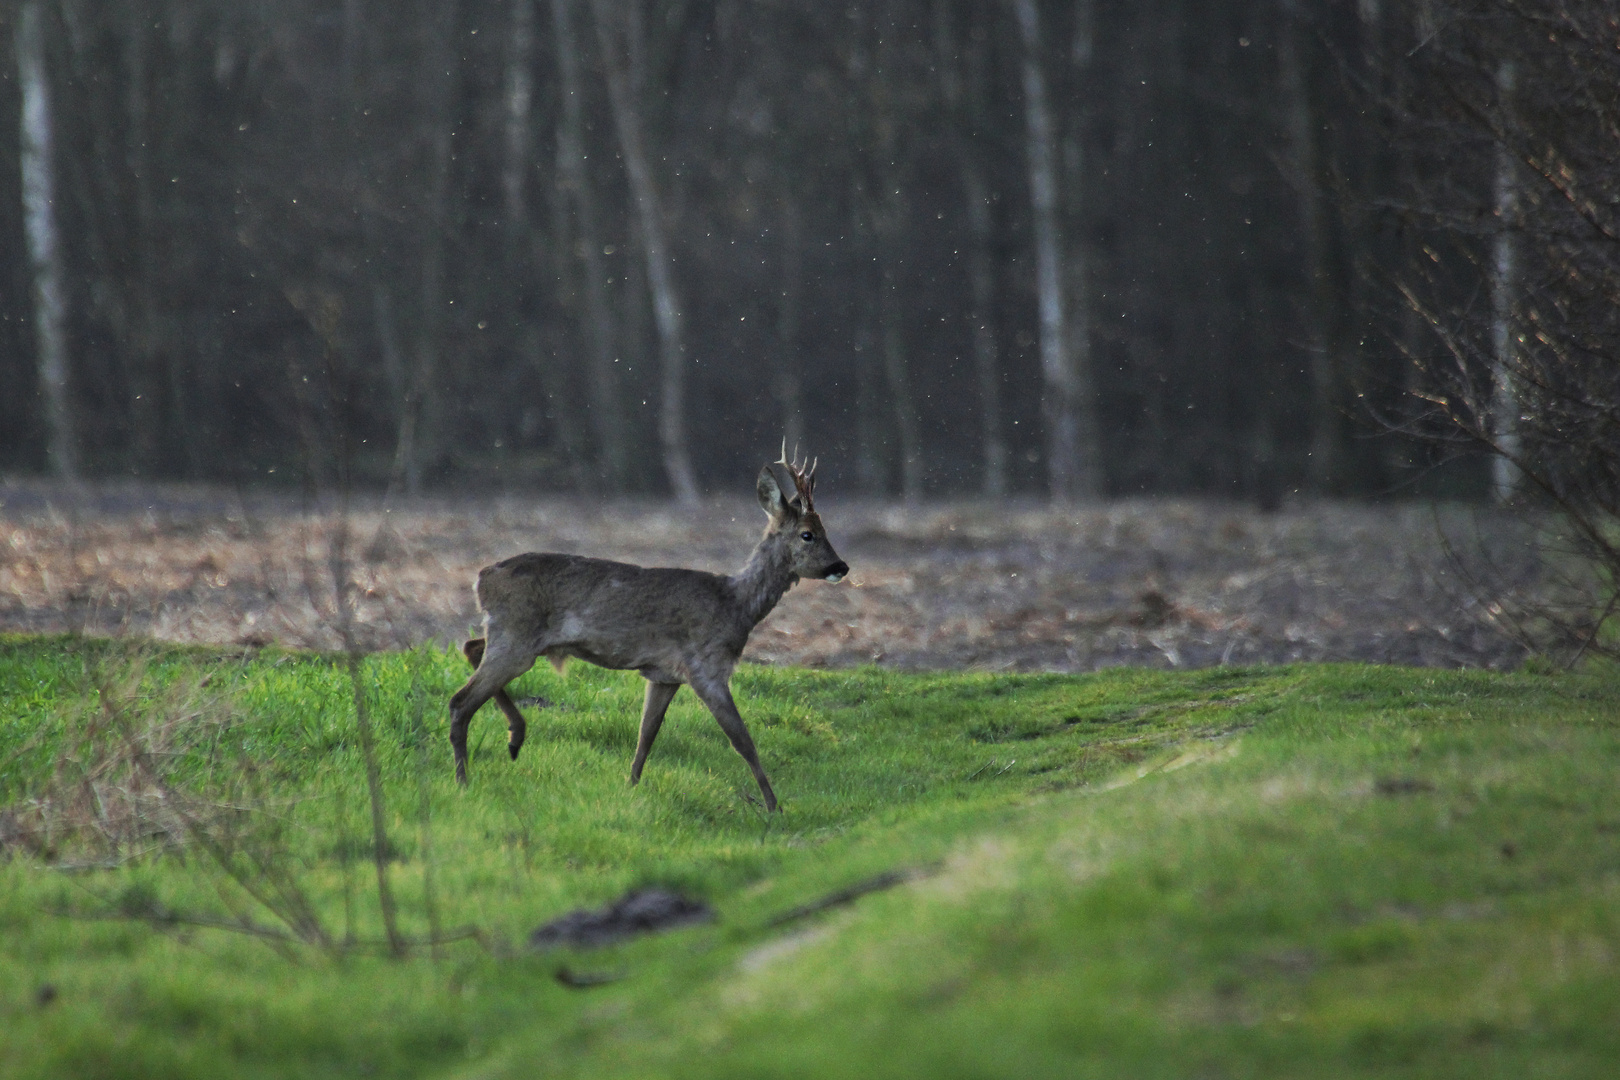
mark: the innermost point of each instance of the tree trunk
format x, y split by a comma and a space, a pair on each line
173, 325
1504, 290
871, 465
1324, 465
44, 243
986, 350
385, 325
1405, 449
1076, 263
146, 411
525, 247
871, 453
607, 414
787, 386
889, 212
907, 423
393, 355
1072, 457
667, 314
968, 108
519, 108
421, 432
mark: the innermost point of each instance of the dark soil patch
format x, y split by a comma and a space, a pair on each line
640, 911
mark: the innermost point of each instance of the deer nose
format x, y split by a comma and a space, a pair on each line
836, 571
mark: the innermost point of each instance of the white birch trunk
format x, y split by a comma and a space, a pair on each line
519, 105
667, 313
1072, 471
44, 242
1504, 287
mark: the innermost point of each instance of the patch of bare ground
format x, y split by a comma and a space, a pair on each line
1016, 586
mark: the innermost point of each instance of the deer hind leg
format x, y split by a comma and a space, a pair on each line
717, 696
516, 727
652, 718
498, 665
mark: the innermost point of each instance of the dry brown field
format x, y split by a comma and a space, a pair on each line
1014, 586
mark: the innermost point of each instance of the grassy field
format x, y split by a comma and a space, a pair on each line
1236, 872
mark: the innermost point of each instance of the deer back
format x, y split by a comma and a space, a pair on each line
614, 614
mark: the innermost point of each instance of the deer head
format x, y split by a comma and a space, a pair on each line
787, 494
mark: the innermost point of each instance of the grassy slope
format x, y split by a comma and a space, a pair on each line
1131, 873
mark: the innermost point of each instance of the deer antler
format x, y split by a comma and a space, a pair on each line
804, 479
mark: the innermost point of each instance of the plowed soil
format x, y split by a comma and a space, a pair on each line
1016, 586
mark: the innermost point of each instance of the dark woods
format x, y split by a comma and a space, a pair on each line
1082, 248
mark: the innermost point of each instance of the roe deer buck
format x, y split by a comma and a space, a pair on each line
673, 626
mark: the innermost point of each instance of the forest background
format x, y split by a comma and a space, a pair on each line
1072, 249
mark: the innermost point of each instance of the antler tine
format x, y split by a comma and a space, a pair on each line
804, 479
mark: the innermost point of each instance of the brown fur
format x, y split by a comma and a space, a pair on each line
674, 626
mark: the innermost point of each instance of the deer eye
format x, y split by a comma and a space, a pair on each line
807, 536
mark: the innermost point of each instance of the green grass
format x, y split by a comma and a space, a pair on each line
1253, 872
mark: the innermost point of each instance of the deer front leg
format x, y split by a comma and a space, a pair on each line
717, 696
496, 668
659, 696
516, 727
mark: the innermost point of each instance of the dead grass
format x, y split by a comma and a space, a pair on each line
1005, 586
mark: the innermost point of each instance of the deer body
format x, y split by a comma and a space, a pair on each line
673, 626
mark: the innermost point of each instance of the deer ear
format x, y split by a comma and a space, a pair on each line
771, 498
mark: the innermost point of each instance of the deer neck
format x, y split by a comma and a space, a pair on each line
764, 580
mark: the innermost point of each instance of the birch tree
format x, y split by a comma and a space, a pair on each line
1073, 453
518, 120
1511, 115
45, 256
607, 415
667, 312
1504, 286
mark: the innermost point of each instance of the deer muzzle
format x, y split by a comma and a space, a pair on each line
835, 573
